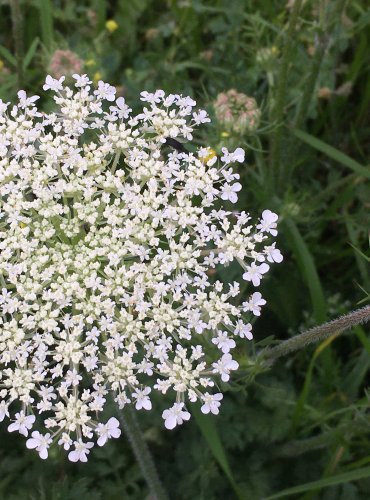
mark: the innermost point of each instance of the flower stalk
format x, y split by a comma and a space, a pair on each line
142, 454
319, 333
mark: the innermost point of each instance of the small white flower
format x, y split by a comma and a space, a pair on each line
53, 84
175, 416
121, 109
224, 366
3, 410
152, 98
268, 222
254, 273
72, 378
244, 330
109, 430
142, 399
105, 91
223, 342
237, 155
211, 403
25, 101
65, 441
228, 192
40, 443
80, 452
230, 175
273, 254
22, 423
81, 80
185, 102
3, 106
254, 304
201, 117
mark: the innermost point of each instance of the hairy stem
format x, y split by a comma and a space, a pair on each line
17, 27
318, 333
279, 105
142, 454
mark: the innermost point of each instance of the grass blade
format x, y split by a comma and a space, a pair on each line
345, 477
333, 153
361, 259
211, 435
307, 381
101, 14
308, 270
46, 15
8, 56
30, 53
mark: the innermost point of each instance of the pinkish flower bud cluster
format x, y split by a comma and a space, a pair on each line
64, 63
237, 112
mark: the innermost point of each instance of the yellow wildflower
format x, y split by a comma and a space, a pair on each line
97, 76
111, 25
90, 62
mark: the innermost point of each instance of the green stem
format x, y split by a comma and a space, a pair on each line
278, 109
17, 26
141, 451
318, 333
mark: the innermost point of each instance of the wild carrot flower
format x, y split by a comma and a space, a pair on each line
237, 112
105, 247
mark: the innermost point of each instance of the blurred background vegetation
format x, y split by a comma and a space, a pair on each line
307, 66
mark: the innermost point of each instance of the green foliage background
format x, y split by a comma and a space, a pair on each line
306, 419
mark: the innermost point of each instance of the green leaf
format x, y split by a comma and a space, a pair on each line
30, 53
46, 15
208, 429
8, 56
300, 405
308, 270
101, 13
361, 253
345, 477
333, 153
361, 335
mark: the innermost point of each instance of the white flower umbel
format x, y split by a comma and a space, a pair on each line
107, 251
